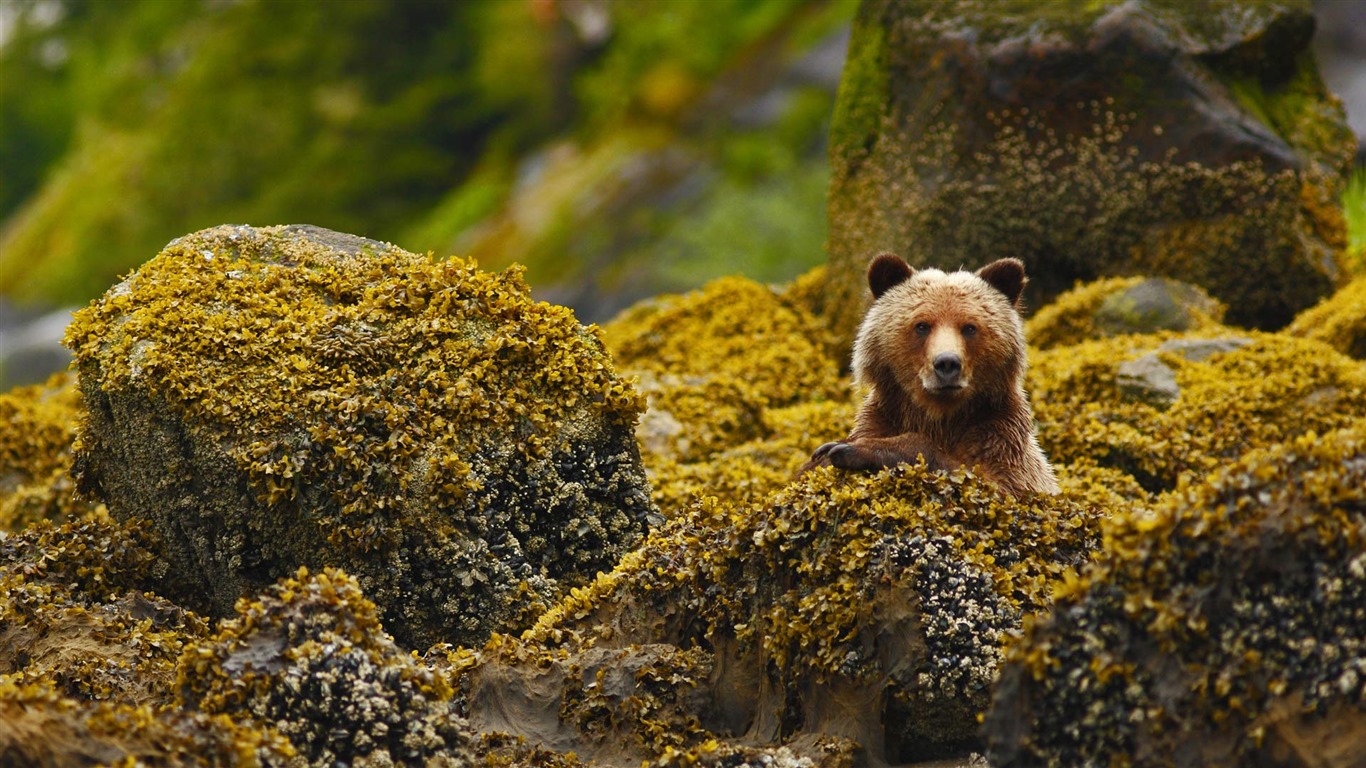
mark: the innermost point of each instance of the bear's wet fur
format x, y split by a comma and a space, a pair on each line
944, 355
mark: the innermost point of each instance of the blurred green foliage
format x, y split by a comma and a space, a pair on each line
125, 124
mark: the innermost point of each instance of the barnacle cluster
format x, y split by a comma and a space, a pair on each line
35, 454
1226, 626
309, 659
284, 396
1263, 389
901, 585
741, 382
1339, 320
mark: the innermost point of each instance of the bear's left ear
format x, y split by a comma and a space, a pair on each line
1006, 276
886, 272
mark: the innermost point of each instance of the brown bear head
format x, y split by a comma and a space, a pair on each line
944, 339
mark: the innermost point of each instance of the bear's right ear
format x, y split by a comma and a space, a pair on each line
886, 272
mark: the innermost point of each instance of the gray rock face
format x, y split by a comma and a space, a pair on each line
277, 397
1091, 140
1153, 305
1148, 379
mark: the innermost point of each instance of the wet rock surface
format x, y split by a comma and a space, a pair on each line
269, 398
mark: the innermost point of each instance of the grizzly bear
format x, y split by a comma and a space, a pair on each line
944, 355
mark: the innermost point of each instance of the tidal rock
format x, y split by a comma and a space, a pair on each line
1091, 140
1147, 379
286, 396
1339, 320
1226, 627
864, 612
1224, 396
310, 660
1121, 305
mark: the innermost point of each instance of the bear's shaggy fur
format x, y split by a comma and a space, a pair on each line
944, 354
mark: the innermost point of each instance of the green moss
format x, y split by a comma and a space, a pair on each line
863, 92
1269, 391
1354, 212
310, 658
308, 396
1218, 626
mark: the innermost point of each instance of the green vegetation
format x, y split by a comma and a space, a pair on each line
418, 123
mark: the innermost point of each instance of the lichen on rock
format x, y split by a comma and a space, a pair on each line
310, 660
283, 396
1226, 626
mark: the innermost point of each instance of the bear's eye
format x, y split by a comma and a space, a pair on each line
922, 328
969, 330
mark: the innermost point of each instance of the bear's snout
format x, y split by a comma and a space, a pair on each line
948, 368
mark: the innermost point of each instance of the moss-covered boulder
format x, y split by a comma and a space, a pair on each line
286, 396
1338, 321
1122, 305
1161, 407
867, 610
35, 454
1091, 139
310, 659
1227, 627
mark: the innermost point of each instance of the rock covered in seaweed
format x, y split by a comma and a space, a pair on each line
1091, 139
283, 396
741, 382
1338, 321
310, 660
35, 454
855, 608
1122, 305
76, 613
40, 727
88, 657
1227, 394
1227, 627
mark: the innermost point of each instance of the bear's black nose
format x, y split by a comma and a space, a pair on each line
947, 367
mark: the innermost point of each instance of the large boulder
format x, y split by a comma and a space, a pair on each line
1226, 627
286, 396
1091, 140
